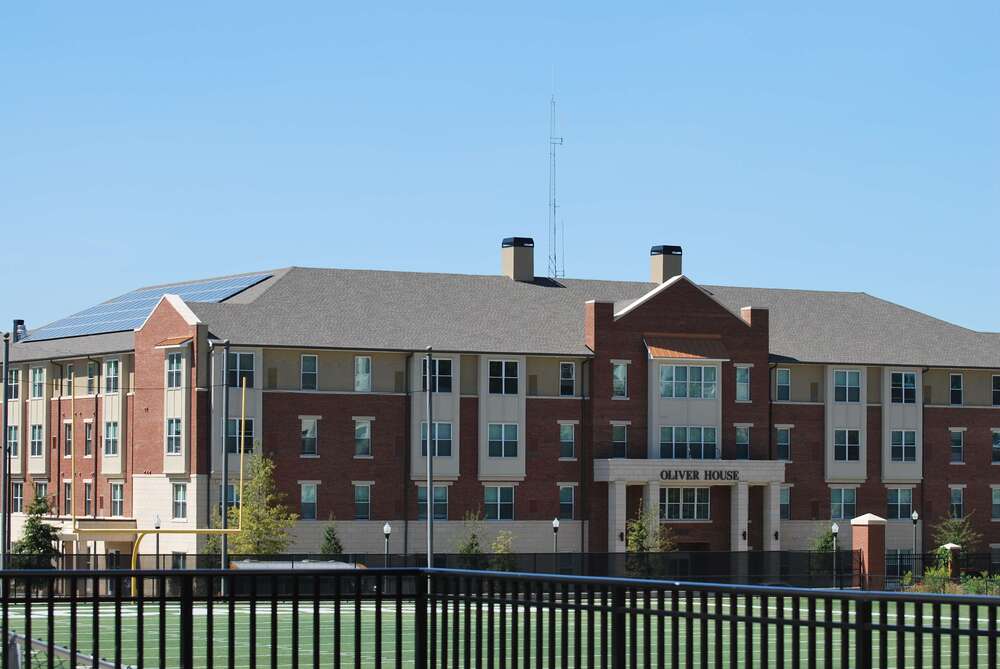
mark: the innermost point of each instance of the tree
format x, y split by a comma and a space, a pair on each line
266, 520
646, 534
503, 551
823, 543
957, 531
468, 545
38, 544
331, 542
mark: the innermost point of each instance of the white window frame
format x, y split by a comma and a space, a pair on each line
952, 489
175, 370
111, 438
571, 378
367, 422
362, 380
903, 446
504, 441
88, 497
88, 438
14, 440
952, 431
174, 441
676, 510
996, 390
572, 501
36, 444
995, 445
357, 486
93, 378
995, 503
740, 430
112, 376
117, 486
847, 445
505, 378
303, 373
422, 504
842, 514
778, 431
952, 389
69, 379
889, 504
623, 365
848, 386
239, 370
571, 425
683, 389
902, 387
436, 439
13, 384
17, 496
624, 442
303, 453
37, 390
785, 503
437, 375
178, 503
668, 448
68, 438
499, 504
778, 385
248, 435
314, 488
745, 395
41, 491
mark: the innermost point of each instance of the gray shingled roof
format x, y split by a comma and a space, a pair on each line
373, 310
72, 347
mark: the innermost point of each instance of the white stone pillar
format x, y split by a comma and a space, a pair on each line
738, 516
616, 516
772, 517
651, 505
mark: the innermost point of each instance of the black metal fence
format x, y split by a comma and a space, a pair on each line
460, 618
905, 569
788, 568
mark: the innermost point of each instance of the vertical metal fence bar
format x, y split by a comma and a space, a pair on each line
539, 626
50, 632
359, 586
863, 633
991, 640
618, 627
209, 617
883, 633
490, 640
455, 638
604, 628
577, 626
647, 633
811, 634
502, 593
337, 594
5, 597
973, 651
779, 630
140, 628
420, 620
703, 628
764, 636
661, 645
316, 584
252, 621
467, 623
72, 624
514, 627
399, 622
796, 632
28, 585
675, 629
828, 633
379, 586
633, 628
719, 622
954, 634
479, 624
564, 627
551, 632
748, 629
935, 634
900, 634
445, 591
230, 596
274, 624
187, 621
918, 637
845, 632
689, 629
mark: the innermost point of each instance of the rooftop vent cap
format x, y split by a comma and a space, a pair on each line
20, 331
517, 258
664, 262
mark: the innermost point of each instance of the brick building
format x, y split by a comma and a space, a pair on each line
748, 418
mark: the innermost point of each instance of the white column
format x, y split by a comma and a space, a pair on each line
738, 517
772, 516
616, 516
651, 505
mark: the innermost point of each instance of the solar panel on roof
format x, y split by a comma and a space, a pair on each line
128, 311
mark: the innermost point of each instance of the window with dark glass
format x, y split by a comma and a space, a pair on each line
682, 442
742, 443
502, 440
441, 373
362, 502
503, 377
846, 386
567, 379
783, 384
566, 494
307, 505
240, 368
567, 440
900, 503
957, 505
235, 440
904, 446
619, 441
847, 445
957, 389
308, 428
684, 504
499, 502
440, 502
957, 438
442, 440
904, 388
783, 438
309, 372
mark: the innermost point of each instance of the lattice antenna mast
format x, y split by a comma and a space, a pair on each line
555, 271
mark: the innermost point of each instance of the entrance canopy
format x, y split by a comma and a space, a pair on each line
705, 472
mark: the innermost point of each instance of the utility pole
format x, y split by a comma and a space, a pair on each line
225, 451
431, 449
5, 460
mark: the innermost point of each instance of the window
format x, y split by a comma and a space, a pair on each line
619, 380
178, 560
995, 513
567, 440
684, 504
111, 438
783, 385
904, 388
785, 503
846, 386
117, 499
362, 438
681, 381
67, 497
847, 445
180, 499
173, 436
111, 376
240, 368
956, 389
566, 494
681, 443
307, 506
957, 445
442, 440
567, 379
41, 490
362, 502
174, 370
12, 440
14, 383
37, 383
309, 373
742, 443
900, 503
362, 374
957, 505
499, 502
88, 439
308, 428
36, 441
904, 446
996, 446
232, 496
235, 440
17, 497
91, 378
67, 440
783, 439
503, 377
440, 502
441, 383
619, 441
742, 384
68, 381
996, 390
503, 440
88, 497
843, 503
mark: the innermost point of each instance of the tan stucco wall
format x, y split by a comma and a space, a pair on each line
803, 376
336, 370
978, 386
470, 375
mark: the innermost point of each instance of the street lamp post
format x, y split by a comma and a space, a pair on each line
156, 526
387, 530
431, 451
555, 535
835, 530
914, 517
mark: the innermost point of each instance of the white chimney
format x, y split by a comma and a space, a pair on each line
517, 258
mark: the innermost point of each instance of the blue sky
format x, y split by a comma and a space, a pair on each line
851, 148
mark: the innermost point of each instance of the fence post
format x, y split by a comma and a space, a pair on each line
863, 634
420, 607
187, 620
618, 645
